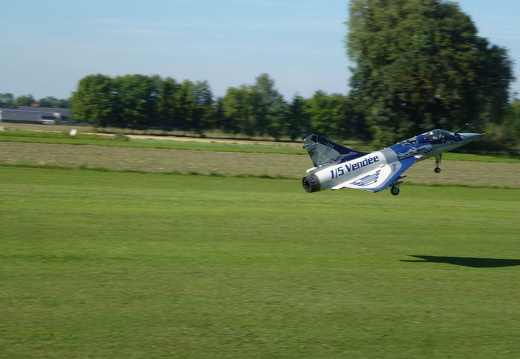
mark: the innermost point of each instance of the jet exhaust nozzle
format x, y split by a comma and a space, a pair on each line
311, 183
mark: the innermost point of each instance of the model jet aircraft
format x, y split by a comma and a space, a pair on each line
337, 167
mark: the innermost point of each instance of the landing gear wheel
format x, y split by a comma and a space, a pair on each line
438, 160
394, 191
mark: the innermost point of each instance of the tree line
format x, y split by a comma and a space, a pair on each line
142, 102
151, 102
8, 100
259, 110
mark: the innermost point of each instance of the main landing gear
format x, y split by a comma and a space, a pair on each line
438, 160
394, 187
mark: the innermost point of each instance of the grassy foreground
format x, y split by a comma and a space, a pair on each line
122, 265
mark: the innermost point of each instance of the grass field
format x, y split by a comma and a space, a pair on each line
146, 265
276, 165
158, 142
23, 133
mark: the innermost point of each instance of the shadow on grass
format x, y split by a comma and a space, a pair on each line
466, 261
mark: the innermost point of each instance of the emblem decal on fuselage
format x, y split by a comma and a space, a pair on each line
367, 180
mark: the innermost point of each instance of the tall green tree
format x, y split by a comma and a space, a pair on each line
94, 101
25, 100
220, 121
51, 101
329, 114
298, 121
185, 105
269, 107
137, 97
7, 100
203, 110
508, 132
420, 64
239, 110
167, 114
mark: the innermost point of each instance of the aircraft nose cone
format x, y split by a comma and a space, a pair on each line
468, 137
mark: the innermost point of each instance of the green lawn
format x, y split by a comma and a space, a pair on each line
127, 265
158, 142
24, 136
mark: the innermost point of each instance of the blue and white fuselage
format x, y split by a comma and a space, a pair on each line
338, 167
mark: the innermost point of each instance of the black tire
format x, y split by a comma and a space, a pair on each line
394, 191
437, 170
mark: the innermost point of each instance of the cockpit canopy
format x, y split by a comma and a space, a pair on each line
437, 134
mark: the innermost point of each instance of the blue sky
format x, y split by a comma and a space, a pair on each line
48, 46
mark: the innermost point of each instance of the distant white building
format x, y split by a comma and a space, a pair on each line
34, 115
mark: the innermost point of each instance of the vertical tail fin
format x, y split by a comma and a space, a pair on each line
324, 152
